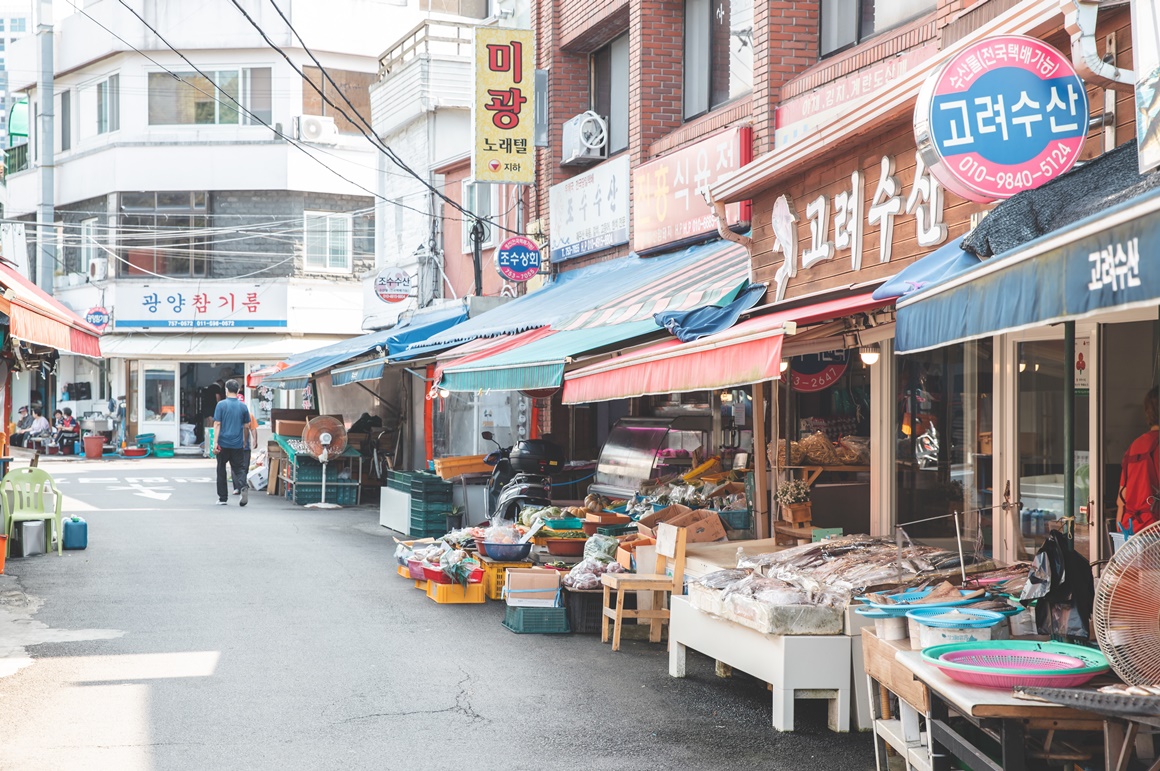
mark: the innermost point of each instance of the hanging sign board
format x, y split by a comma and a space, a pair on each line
518, 259
589, 212
393, 285
97, 317
818, 371
1004, 115
504, 108
202, 305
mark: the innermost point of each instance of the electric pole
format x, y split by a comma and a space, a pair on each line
46, 145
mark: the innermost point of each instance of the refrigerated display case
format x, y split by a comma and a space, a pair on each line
642, 449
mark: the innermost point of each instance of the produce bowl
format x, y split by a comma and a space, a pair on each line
135, 452
506, 552
590, 528
565, 547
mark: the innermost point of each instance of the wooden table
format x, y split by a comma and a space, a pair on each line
927, 696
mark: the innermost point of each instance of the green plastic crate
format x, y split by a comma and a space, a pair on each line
737, 519
615, 530
536, 620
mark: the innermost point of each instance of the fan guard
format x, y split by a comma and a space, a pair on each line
1127, 609
314, 437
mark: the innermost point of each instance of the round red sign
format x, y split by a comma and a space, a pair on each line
818, 371
1004, 115
393, 285
518, 259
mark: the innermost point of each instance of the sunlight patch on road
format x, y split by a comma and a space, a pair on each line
146, 666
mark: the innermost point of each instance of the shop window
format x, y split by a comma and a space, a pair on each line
480, 199
460, 418
609, 90
1040, 451
944, 444
718, 53
212, 98
160, 388
90, 246
109, 104
848, 22
163, 234
329, 242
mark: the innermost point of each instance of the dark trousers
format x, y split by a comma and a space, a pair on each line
235, 458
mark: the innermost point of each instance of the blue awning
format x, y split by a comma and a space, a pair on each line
539, 364
423, 323
944, 263
617, 291
358, 373
1103, 262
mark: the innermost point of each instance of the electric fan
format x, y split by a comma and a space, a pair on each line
324, 438
1127, 609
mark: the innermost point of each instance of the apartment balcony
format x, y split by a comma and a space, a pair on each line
428, 69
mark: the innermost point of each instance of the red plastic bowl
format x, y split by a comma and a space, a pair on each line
134, 452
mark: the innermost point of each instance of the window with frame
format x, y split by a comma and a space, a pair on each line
211, 99
329, 242
163, 234
19, 24
609, 90
89, 247
718, 53
480, 199
848, 22
109, 104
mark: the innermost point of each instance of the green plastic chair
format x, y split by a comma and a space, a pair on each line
23, 494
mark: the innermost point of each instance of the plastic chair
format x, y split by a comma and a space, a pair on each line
22, 498
670, 555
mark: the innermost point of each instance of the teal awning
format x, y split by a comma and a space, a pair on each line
18, 119
539, 364
358, 373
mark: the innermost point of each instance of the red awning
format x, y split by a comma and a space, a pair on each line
748, 353
38, 317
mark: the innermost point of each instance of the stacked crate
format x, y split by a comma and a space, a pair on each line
430, 505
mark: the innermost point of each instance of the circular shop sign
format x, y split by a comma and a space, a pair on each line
393, 285
518, 259
818, 371
1006, 114
97, 317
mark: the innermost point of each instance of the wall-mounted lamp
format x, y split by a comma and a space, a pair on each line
784, 366
869, 354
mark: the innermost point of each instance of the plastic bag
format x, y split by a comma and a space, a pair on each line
502, 531
601, 547
722, 579
854, 450
586, 573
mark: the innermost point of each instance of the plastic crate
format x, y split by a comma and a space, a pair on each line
495, 576
615, 530
584, 609
455, 594
305, 494
523, 620
442, 508
403, 572
737, 519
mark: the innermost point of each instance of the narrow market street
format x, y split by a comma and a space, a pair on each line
191, 636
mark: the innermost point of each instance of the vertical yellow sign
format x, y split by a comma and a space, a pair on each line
504, 109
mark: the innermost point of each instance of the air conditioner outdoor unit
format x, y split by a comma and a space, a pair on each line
98, 268
316, 129
585, 140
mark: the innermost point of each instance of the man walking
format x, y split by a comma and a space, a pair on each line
231, 419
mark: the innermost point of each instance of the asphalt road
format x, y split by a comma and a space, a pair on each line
192, 636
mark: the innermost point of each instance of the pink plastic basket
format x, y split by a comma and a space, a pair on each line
1012, 659
988, 680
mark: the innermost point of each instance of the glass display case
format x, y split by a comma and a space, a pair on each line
642, 449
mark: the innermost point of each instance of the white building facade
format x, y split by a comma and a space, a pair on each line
220, 219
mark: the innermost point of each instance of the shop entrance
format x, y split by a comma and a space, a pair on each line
203, 385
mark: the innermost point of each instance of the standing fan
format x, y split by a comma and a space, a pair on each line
1127, 609
324, 438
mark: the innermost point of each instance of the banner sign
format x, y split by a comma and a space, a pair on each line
393, 285
667, 206
504, 106
589, 212
818, 371
518, 259
1146, 58
1004, 115
201, 305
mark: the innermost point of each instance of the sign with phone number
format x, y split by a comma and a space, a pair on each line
207, 305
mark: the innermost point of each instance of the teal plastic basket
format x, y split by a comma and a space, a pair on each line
536, 620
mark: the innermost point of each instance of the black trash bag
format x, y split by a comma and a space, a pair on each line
1062, 581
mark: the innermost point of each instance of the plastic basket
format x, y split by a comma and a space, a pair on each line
584, 609
455, 594
305, 494
615, 530
737, 519
163, 449
523, 620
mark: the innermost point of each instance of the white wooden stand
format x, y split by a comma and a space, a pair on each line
801, 667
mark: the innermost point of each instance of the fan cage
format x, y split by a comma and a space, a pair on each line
1127, 609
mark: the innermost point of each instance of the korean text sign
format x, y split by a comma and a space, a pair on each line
1004, 115
504, 106
589, 212
203, 306
668, 207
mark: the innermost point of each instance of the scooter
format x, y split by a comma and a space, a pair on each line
519, 475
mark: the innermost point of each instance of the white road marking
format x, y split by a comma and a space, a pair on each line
146, 492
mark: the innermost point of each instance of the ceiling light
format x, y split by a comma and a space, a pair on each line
784, 366
869, 354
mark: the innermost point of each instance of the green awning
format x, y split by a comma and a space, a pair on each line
18, 119
539, 364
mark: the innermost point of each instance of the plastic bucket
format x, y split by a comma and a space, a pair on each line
94, 447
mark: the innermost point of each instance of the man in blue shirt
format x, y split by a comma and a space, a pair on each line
231, 419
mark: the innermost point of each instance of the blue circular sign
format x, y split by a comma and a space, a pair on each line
98, 317
518, 259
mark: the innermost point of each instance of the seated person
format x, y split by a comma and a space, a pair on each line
20, 435
67, 430
40, 426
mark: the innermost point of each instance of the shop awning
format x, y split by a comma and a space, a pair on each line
1102, 262
358, 373
616, 291
210, 346
940, 265
748, 353
37, 317
540, 363
255, 378
428, 321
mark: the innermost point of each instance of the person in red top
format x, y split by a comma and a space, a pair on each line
1139, 498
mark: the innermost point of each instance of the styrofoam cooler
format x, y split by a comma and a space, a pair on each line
28, 539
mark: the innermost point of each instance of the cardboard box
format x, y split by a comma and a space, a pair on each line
607, 518
533, 587
701, 526
648, 523
986, 444
292, 428
628, 550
